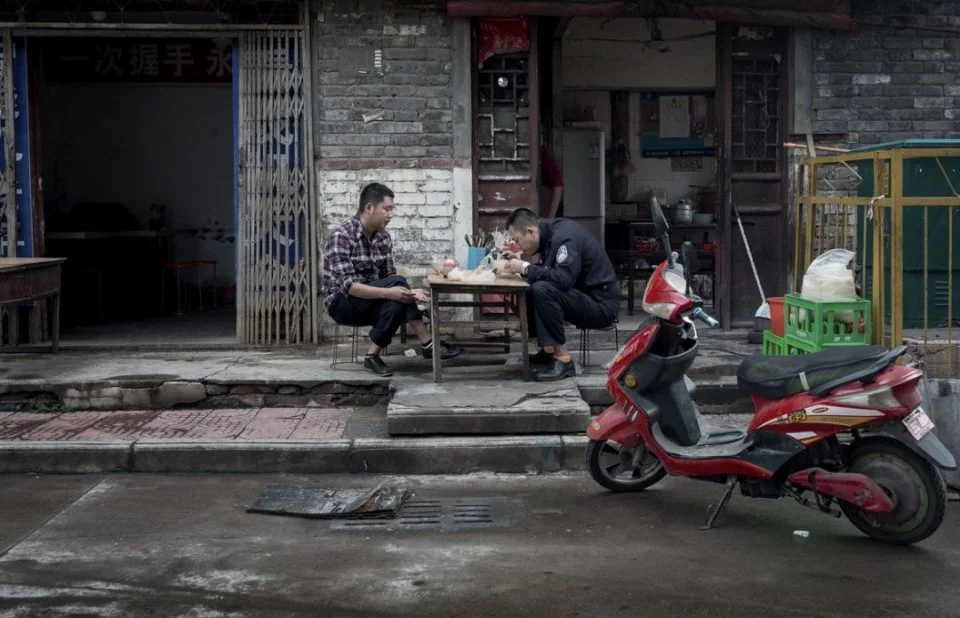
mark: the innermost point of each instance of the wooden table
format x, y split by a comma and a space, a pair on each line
32, 279
508, 286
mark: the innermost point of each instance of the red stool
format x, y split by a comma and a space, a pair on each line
179, 267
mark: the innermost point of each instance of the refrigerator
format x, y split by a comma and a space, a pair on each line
584, 179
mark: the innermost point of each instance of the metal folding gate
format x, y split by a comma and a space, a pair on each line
278, 234
8, 198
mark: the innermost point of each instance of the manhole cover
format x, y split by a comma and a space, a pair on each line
445, 514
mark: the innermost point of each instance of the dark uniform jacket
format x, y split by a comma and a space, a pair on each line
570, 257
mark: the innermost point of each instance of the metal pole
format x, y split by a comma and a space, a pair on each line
309, 169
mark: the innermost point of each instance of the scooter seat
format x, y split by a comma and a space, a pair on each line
776, 377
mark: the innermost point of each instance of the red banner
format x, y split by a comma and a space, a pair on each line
502, 36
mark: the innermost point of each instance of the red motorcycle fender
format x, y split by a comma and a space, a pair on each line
614, 425
857, 489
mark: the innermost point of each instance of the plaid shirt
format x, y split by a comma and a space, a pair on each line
350, 257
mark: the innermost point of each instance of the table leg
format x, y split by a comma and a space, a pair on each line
506, 331
435, 333
55, 311
524, 335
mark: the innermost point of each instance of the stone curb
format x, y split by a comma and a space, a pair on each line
455, 455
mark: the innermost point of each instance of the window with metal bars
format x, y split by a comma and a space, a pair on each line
756, 115
503, 115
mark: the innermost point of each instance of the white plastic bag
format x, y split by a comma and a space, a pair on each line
829, 278
477, 275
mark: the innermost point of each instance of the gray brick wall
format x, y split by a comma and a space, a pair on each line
393, 126
411, 99
886, 84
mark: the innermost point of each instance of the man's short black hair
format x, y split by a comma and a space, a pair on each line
374, 193
522, 218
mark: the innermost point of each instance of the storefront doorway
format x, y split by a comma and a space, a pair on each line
135, 152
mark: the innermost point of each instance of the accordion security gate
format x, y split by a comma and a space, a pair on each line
277, 230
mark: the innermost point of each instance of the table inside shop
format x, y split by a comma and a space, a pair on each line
25, 280
512, 288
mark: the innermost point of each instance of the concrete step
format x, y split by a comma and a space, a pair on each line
460, 455
487, 407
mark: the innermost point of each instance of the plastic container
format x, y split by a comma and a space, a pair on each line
793, 346
776, 315
818, 324
475, 256
773, 345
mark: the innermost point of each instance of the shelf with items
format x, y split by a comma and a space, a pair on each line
634, 259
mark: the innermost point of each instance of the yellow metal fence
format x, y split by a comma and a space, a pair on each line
895, 208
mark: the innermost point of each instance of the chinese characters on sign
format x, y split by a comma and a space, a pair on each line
192, 60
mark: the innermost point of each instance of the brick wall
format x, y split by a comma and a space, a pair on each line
887, 84
392, 126
421, 227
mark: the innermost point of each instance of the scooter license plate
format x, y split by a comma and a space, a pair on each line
918, 423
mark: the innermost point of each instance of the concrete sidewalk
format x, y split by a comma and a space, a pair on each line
304, 440
288, 411
138, 380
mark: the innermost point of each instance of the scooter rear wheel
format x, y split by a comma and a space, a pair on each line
622, 468
916, 488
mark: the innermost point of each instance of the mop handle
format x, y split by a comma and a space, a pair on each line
746, 244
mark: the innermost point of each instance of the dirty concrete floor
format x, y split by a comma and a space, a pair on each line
139, 545
719, 355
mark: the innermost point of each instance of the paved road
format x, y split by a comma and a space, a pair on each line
143, 545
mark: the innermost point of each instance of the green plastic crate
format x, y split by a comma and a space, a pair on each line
824, 324
793, 346
773, 345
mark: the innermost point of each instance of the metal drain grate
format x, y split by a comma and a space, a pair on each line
445, 514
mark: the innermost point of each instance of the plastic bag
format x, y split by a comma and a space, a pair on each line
478, 275
829, 278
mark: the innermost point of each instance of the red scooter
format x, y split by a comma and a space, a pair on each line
839, 428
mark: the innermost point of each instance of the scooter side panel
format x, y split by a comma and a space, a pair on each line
635, 348
808, 419
613, 424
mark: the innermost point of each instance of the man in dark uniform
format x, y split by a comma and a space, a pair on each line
574, 281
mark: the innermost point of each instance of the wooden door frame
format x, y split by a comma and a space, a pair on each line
534, 104
727, 225
725, 101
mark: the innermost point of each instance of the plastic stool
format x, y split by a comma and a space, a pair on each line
196, 265
585, 341
354, 345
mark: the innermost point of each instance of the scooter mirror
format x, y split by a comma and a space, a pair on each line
659, 220
688, 254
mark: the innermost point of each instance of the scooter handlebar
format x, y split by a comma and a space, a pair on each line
700, 314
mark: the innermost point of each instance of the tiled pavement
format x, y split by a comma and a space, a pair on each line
216, 424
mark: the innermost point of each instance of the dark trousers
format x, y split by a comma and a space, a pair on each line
548, 307
385, 316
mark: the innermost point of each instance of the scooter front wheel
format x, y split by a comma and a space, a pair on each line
916, 488
623, 468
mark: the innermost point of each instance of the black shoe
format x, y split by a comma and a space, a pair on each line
376, 365
557, 370
446, 352
541, 358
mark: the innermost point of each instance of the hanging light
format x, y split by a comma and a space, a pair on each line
503, 82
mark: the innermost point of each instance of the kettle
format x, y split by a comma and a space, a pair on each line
683, 212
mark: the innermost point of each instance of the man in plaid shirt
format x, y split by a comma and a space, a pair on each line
360, 284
